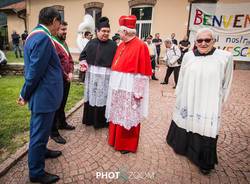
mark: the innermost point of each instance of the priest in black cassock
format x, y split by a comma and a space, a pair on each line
96, 60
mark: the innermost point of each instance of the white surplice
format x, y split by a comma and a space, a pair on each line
96, 85
203, 85
122, 107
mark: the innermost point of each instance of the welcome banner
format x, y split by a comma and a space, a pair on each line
230, 22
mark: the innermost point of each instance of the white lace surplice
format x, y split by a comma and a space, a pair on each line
203, 86
96, 85
122, 108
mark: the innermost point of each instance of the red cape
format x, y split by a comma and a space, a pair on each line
132, 57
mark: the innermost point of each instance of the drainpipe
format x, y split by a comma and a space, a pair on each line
21, 16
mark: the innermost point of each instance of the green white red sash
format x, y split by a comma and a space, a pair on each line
61, 44
41, 29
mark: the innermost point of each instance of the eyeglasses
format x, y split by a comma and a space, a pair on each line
207, 40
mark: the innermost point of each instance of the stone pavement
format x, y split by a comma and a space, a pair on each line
87, 154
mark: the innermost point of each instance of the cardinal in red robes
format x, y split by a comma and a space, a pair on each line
127, 102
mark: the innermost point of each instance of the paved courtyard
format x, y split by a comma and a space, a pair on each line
87, 158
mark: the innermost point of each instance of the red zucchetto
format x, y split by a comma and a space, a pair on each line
128, 21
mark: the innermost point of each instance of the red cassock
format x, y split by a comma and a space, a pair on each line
132, 58
123, 139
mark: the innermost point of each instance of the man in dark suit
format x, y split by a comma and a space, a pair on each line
43, 89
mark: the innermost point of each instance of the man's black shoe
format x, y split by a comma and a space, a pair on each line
124, 152
164, 83
58, 139
67, 127
205, 171
154, 78
52, 154
46, 179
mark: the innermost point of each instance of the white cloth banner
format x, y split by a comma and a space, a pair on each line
230, 22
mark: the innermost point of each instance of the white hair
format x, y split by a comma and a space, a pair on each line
129, 30
168, 40
205, 29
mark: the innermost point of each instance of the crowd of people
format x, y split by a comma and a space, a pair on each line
116, 88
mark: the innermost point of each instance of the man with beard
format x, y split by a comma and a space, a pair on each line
96, 60
67, 68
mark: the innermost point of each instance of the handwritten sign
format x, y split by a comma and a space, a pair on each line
230, 22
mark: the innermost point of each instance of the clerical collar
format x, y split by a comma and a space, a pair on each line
197, 53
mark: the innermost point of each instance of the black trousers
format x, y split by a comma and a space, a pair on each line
169, 72
60, 119
158, 55
153, 64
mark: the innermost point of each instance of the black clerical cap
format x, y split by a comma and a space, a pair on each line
103, 22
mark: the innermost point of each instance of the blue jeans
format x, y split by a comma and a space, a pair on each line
17, 48
40, 128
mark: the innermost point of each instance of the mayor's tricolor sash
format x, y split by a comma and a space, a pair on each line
41, 29
62, 45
